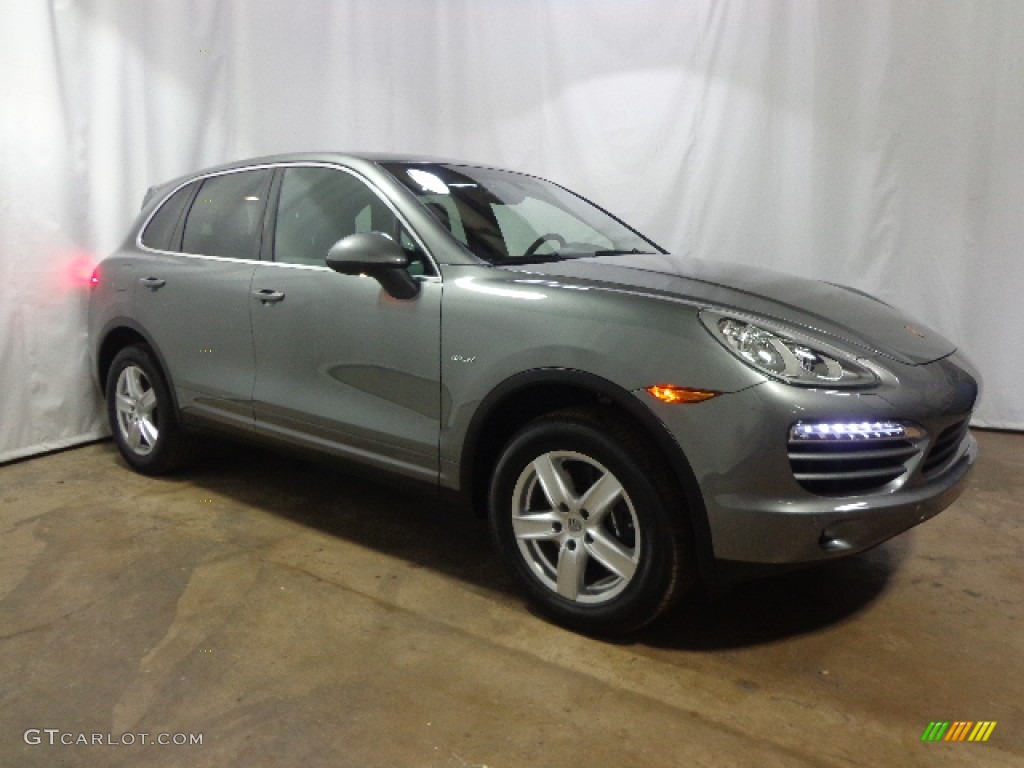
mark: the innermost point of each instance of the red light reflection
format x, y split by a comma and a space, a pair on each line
78, 272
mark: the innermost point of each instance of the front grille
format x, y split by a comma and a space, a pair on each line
858, 458
944, 448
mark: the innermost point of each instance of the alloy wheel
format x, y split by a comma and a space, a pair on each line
576, 527
136, 408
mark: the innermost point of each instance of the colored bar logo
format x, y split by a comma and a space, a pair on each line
958, 730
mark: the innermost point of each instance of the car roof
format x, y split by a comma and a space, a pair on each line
352, 159
373, 157
324, 157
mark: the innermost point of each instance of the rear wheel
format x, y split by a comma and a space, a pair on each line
142, 416
589, 520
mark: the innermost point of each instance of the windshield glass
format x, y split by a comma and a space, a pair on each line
508, 217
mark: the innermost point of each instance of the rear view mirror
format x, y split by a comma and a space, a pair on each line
377, 255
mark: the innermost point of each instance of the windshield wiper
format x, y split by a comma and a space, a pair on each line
543, 258
619, 252
533, 258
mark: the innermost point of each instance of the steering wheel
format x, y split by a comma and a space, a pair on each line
543, 239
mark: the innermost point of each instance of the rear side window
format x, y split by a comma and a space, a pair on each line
162, 228
227, 216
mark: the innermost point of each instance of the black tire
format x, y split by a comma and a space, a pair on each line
608, 570
142, 416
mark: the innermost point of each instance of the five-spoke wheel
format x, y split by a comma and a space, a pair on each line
575, 526
135, 406
142, 415
590, 521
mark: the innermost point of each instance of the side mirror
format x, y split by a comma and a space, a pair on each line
377, 255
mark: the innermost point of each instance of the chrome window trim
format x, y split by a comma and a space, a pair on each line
274, 166
204, 257
306, 267
278, 264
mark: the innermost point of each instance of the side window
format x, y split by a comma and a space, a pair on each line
226, 217
319, 206
160, 231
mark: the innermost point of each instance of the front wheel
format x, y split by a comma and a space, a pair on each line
142, 415
589, 520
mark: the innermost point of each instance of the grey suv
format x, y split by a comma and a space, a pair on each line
629, 420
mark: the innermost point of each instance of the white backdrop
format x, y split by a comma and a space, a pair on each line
878, 144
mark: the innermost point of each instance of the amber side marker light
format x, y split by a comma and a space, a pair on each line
670, 393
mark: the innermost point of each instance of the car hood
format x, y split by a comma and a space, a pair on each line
831, 310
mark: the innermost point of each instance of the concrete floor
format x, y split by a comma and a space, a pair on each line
296, 616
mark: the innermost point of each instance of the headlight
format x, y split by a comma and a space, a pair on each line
787, 355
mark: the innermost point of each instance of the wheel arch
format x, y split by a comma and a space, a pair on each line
123, 333
531, 394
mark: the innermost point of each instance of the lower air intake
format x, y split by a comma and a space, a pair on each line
847, 459
944, 449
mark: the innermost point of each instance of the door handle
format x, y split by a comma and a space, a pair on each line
268, 296
153, 282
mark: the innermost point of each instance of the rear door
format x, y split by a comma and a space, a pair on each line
341, 365
192, 292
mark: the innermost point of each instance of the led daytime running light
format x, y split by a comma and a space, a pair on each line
853, 430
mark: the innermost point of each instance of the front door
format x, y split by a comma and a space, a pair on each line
341, 365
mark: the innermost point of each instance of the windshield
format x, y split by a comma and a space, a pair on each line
507, 217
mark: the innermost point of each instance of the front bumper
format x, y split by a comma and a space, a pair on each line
758, 512
802, 530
